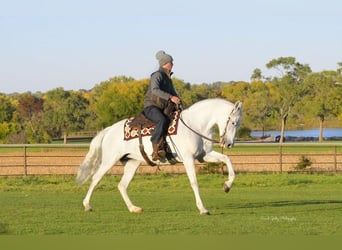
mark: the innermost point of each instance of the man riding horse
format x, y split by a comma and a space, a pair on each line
159, 95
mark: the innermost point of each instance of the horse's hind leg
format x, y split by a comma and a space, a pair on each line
129, 171
95, 180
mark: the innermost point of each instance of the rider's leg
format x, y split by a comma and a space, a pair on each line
156, 115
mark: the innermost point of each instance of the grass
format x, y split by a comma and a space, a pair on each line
285, 148
259, 204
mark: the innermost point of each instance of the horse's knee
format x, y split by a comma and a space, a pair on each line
121, 186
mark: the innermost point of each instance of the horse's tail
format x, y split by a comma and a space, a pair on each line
92, 160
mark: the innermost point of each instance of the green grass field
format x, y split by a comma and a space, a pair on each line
306, 147
258, 204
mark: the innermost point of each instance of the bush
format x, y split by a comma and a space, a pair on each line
244, 133
211, 168
304, 163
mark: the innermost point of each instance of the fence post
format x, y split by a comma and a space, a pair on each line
335, 158
281, 157
25, 161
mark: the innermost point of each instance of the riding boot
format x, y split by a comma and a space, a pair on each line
169, 155
163, 145
158, 153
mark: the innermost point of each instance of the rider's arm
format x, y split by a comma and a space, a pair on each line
155, 81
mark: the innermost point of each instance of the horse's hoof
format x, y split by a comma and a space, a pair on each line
88, 208
226, 188
205, 213
137, 210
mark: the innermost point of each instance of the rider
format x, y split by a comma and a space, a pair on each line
159, 93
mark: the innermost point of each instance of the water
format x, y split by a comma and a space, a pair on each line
327, 133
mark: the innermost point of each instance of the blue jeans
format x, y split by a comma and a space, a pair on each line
162, 122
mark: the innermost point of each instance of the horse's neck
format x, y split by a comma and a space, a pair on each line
201, 118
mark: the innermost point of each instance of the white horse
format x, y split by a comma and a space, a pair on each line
192, 141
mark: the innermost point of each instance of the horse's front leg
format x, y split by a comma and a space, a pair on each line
214, 156
190, 170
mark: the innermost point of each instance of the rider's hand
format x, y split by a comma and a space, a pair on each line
175, 99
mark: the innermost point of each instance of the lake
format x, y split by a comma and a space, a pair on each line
327, 133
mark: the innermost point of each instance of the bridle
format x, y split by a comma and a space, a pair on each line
221, 141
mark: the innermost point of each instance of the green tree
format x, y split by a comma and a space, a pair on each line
338, 87
339, 73
256, 75
64, 112
184, 91
204, 91
6, 108
30, 109
289, 85
236, 91
258, 106
322, 100
7, 112
120, 100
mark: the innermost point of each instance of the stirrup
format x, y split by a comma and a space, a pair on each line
161, 153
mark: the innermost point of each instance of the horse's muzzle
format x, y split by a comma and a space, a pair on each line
227, 144
230, 144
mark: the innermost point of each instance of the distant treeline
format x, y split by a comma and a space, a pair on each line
295, 98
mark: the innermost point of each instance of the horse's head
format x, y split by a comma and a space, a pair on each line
231, 126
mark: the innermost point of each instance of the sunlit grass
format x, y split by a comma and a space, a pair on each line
258, 204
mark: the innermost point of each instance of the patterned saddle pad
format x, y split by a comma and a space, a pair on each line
131, 132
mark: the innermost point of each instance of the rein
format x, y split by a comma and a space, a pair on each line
197, 133
205, 137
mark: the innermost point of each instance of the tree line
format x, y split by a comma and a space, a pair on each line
292, 98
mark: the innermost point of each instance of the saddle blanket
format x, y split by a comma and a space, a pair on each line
132, 133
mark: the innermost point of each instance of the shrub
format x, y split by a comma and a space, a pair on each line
244, 133
303, 163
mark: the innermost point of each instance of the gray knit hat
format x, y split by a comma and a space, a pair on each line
163, 58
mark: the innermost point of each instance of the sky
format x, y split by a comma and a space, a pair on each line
76, 44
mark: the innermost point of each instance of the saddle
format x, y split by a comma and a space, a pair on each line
141, 121
146, 126
139, 126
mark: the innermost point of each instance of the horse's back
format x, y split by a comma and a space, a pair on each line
114, 134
